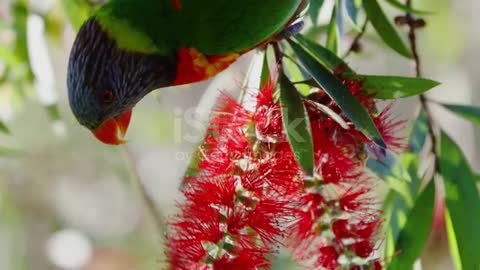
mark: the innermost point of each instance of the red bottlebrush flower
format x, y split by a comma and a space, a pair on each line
250, 192
342, 229
352, 199
331, 156
328, 257
346, 208
391, 129
268, 116
238, 201
278, 169
269, 123
221, 152
366, 228
244, 258
229, 114
363, 248
177, 5
375, 265
310, 208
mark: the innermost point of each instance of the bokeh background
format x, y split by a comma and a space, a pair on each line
69, 202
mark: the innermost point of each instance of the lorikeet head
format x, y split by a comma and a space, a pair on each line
105, 82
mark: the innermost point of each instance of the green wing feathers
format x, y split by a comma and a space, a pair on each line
214, 27
221, 26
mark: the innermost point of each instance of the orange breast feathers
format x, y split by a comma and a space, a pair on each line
193, 66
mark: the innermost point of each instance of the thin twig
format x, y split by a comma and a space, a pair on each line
412, 37
356, 40
147, 200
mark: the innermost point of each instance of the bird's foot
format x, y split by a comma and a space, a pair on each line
289, 31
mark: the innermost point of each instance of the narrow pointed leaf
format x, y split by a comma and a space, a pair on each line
392, 87
314, 10
352, 10
265, 76
331, 113
394, 209
297, 124
296, 74
387, 166
470, 113
419, 133
401, 200
339, 18
349, 104
384, 28
462, 203
404, 7
327, 57
332, 35
414, 234
452, 241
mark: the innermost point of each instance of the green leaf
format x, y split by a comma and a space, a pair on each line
391, 87
297, 124
462, 203
78, 11
339, 18
388, 166
294, 72
452, 241
4, 128
352, 10
330, 113
332, 34
384, 28
402, 175
349, 104
265, 76
395, 209
192, 168
322, 54
404, 181
414, 234
471, 113
404, 7
419, 133
314, 10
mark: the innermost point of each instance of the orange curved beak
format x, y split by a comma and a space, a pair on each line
113, 130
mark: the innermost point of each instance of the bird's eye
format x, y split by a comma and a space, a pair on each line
106, 96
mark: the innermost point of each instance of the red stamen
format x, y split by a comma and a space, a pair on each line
177, 5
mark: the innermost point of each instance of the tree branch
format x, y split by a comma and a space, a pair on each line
354, 46
147, 200
412, 37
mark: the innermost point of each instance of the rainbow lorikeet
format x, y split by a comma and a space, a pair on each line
129, 48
